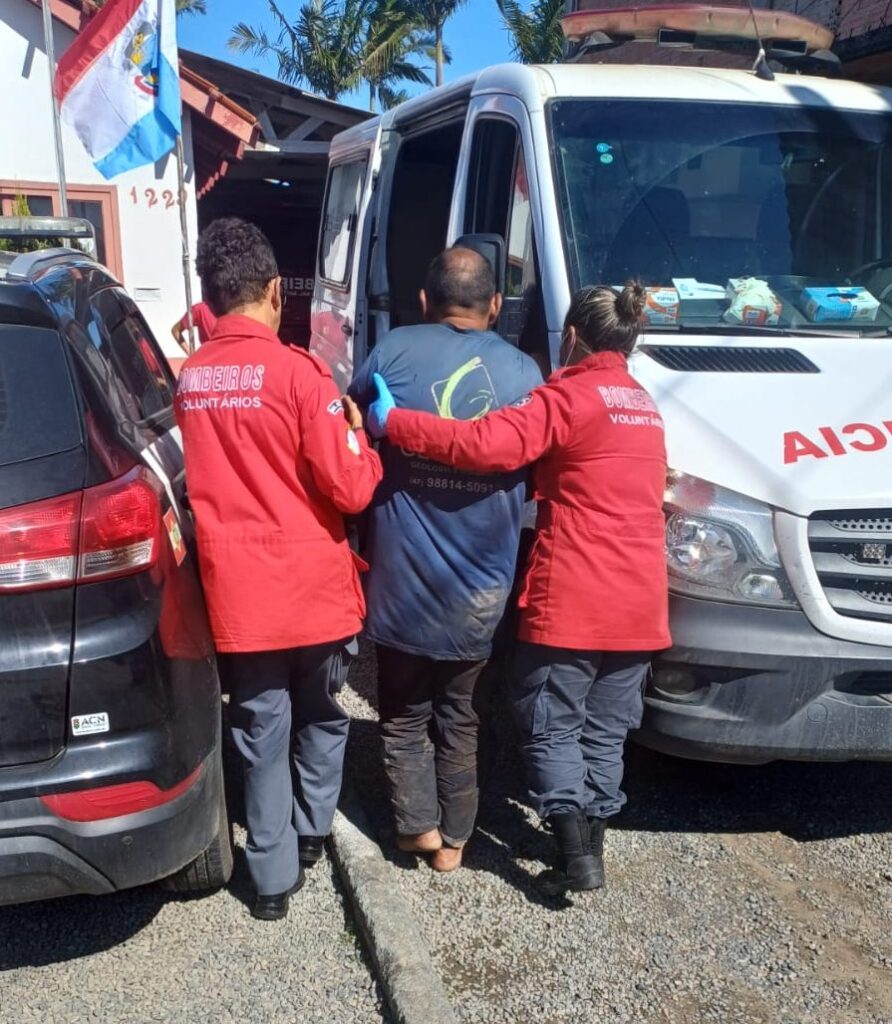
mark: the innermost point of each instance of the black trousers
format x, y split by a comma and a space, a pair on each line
429, 726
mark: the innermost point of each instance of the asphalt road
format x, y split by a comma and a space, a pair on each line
735, 896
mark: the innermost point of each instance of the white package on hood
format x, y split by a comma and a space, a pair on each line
752, 302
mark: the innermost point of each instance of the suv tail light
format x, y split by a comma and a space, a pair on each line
113, 801
106, 531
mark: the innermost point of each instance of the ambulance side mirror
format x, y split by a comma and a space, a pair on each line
492, 249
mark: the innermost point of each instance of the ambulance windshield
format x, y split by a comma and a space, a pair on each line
762, 216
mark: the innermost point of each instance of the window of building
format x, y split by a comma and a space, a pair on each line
98, 205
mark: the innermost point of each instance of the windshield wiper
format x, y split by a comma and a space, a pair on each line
767, 332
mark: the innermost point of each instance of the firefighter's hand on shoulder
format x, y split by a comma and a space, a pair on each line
351, 413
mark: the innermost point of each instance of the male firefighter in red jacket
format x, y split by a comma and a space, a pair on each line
272, 467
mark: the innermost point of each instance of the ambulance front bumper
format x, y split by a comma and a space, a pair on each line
751, 685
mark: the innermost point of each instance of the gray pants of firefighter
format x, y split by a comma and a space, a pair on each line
291, 733
574, 710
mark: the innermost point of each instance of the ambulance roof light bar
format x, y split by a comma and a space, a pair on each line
789, 39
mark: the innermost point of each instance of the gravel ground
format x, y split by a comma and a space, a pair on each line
145, 955
735, 895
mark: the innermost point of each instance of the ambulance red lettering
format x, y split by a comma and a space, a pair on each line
859, 437
797, 445
833, 442
877, 440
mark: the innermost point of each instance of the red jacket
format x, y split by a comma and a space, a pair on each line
271, 468
596, 578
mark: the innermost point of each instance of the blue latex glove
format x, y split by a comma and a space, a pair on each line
379, 410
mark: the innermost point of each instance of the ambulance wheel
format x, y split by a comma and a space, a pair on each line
212, 868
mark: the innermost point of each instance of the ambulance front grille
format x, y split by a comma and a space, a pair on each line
852, 553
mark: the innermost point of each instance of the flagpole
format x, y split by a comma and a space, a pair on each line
57, 127
184, 231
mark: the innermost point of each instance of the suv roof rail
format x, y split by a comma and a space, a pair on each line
46, 227
55, 229
26, 264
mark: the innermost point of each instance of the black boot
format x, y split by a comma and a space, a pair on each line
578, 869
597, 827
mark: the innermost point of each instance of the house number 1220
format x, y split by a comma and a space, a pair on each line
151, 197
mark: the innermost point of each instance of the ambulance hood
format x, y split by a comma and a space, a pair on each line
799, 441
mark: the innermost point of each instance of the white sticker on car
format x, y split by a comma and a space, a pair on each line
86, 725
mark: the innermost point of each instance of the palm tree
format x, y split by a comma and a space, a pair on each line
336, 44
433, 15
537, 35
393, 37
90, 7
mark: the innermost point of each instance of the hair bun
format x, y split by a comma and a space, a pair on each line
630, 303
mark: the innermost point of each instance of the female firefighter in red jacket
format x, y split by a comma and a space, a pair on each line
594, 605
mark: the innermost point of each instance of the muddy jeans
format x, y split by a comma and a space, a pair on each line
429, 725
574, 710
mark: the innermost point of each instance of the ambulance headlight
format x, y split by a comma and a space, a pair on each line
720, 545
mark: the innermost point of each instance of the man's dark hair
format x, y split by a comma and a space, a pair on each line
459, 279
235, 263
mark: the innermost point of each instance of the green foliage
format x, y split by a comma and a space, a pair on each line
20, 208
433, 15
536, 33
335, 45
192, 7
183, 6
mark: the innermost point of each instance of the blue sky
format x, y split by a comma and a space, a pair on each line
475, 35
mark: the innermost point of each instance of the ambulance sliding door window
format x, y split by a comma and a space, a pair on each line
339, 220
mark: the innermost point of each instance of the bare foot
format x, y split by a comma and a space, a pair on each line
447, 858
425, 842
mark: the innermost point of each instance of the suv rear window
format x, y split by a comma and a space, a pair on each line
38, 411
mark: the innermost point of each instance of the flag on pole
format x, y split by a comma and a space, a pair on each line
118, 85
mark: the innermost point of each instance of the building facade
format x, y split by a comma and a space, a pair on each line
136, 215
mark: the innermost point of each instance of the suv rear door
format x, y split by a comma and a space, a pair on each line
42, 467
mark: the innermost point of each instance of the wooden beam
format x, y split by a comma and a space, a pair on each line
208, 105
302, 131
288, 148
269, 131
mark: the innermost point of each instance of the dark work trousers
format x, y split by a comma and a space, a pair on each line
574, 710
429, 725
285, 716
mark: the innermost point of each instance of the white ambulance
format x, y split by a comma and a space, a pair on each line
759, 209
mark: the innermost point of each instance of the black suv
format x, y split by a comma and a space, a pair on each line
110, 749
